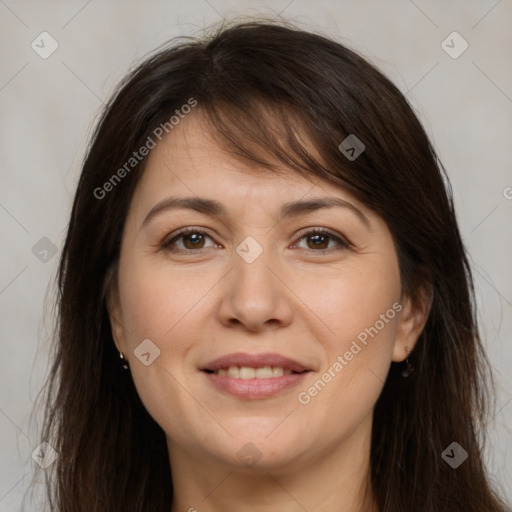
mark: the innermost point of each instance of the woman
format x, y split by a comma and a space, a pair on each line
265, 302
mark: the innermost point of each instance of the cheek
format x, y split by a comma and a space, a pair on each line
357, 312
157, 300
161, 306
348, 300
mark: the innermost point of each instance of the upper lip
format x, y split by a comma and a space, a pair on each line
255, 361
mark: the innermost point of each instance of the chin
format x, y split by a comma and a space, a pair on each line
265, 449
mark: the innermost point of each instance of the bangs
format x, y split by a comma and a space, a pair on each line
273, 136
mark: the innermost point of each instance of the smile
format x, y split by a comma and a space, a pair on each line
247, 372
254, 376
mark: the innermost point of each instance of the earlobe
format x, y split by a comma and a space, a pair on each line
411, 323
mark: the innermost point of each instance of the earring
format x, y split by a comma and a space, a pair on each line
124, 362
409, 368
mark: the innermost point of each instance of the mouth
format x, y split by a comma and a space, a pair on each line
249, 366
248, 372
254, 376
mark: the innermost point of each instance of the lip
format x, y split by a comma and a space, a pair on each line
251, 389
255, 361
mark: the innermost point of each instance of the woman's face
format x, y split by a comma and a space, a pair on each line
253, 339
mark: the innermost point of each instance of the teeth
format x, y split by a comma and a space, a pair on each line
246, 372
265, 372
277, 371
234, 371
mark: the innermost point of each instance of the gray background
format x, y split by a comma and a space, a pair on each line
48, 107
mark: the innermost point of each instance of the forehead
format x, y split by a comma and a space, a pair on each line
191, 152
190, 161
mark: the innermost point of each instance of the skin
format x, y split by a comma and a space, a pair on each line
293, 300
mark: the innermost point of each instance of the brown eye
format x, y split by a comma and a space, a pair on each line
186, 240
193, 240
320, 240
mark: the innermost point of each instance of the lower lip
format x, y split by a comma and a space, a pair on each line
255, 388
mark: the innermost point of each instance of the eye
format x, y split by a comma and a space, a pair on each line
193, 239
318, 240
187, 239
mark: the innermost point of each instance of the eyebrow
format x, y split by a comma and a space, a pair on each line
216, 209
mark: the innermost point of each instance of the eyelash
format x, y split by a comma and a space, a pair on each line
344, 244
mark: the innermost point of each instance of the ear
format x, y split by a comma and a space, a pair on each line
411, 322
113, 305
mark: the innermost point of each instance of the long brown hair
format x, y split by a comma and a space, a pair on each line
112, 454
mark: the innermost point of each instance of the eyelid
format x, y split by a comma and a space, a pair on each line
324, 231
176, 235
342, 241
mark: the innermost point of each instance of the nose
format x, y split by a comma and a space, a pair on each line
255, 295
